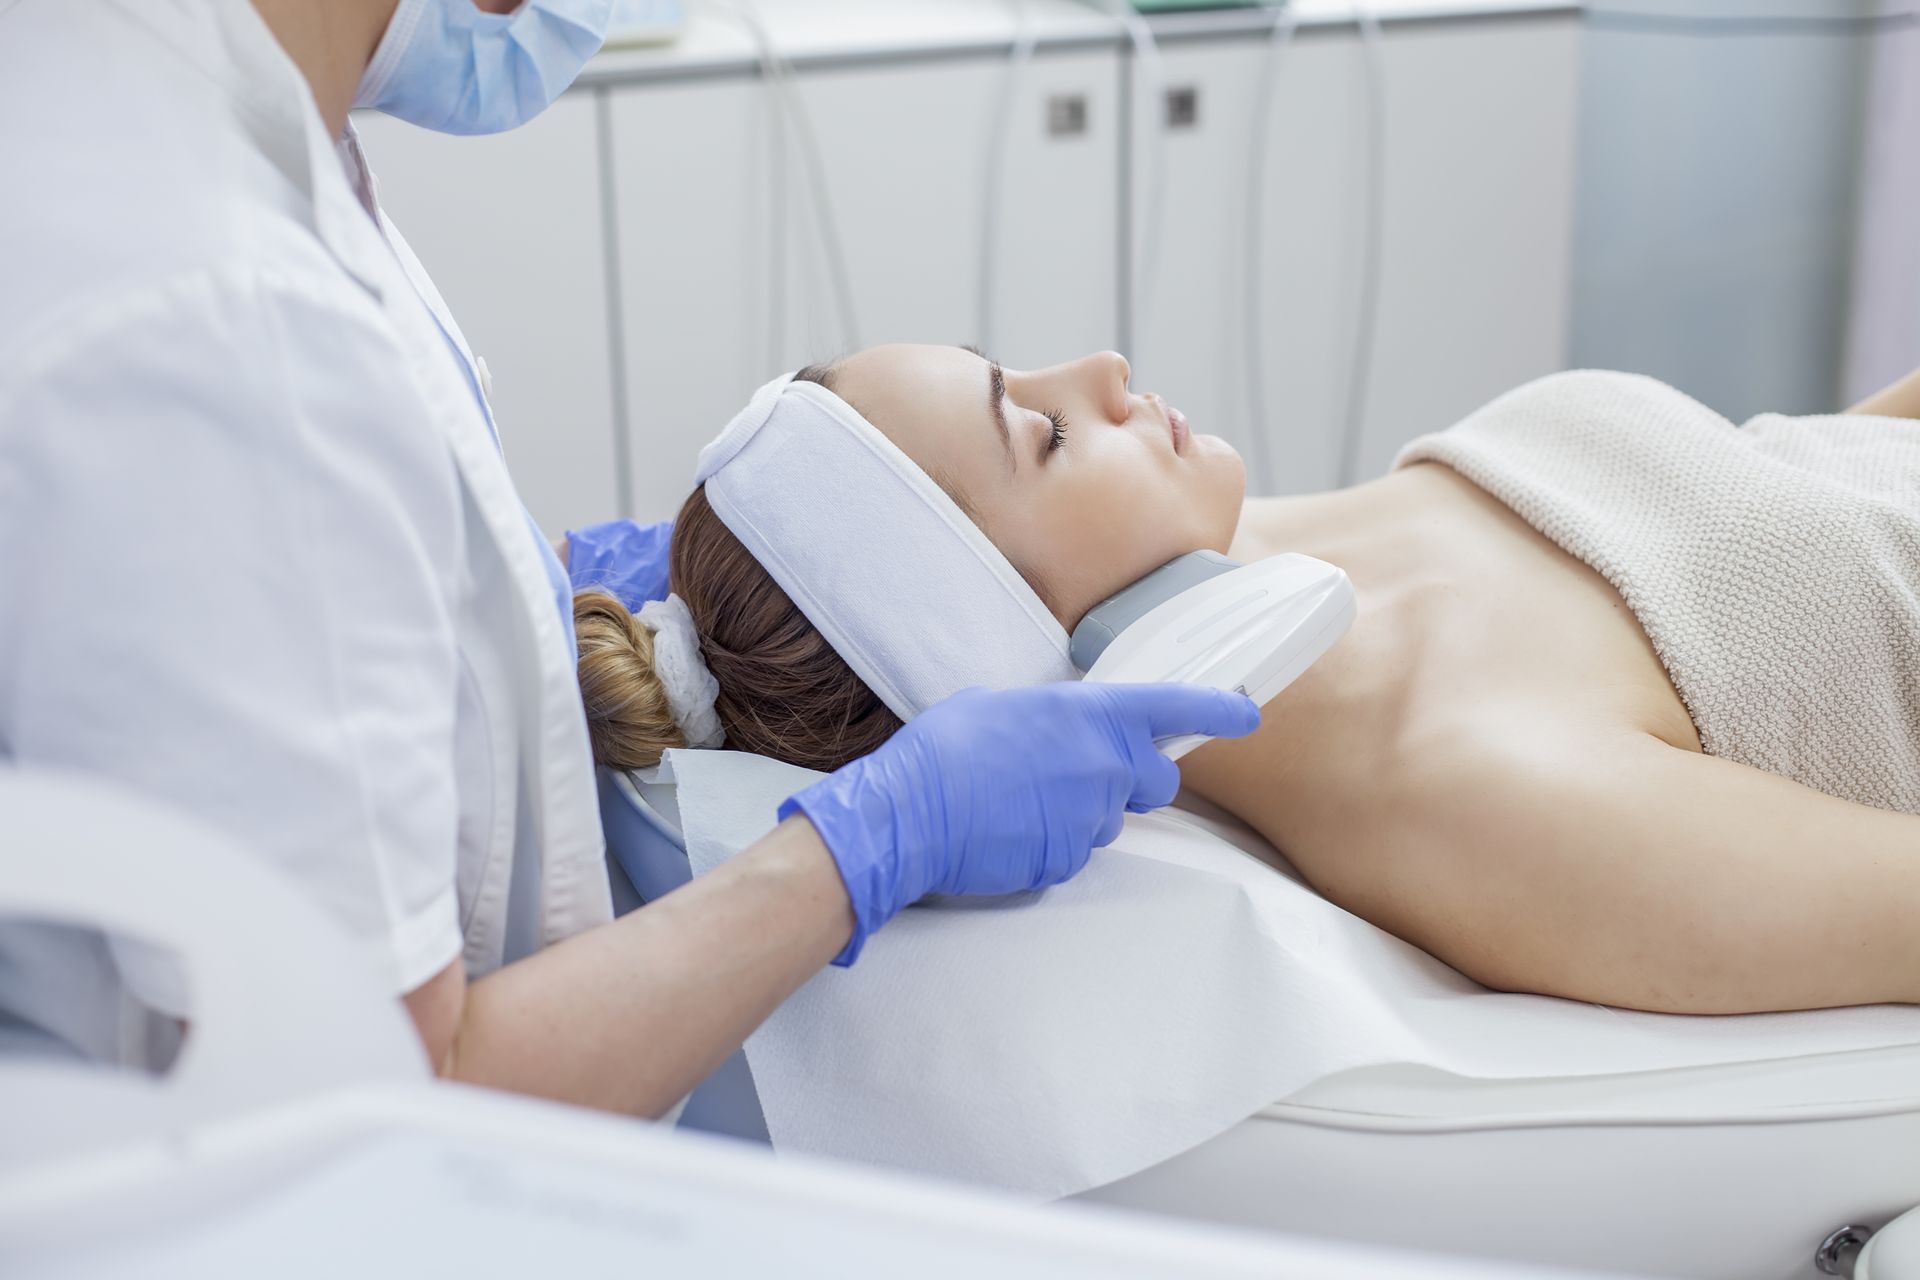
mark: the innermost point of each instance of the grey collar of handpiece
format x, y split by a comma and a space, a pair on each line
1121, 610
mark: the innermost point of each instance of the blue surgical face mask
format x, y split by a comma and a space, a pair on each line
447, 66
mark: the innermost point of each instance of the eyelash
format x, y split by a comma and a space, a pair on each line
1058, 438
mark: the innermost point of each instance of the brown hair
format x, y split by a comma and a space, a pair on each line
784, 692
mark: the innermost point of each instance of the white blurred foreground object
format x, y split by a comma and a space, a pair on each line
444, 1180
300, 1136
280, 1004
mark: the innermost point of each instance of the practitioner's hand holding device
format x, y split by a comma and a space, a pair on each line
998, 792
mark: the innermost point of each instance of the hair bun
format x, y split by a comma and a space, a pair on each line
629, 719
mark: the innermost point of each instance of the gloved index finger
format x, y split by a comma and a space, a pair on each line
1170, 709
1156, 780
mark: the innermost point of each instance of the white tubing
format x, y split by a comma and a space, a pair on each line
1146, 51
782, 92
1367, 292
1152, 224
994, 172
1253, 326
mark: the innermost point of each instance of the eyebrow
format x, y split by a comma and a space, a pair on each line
996, 392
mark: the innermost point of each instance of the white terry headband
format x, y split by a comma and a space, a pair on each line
901, 583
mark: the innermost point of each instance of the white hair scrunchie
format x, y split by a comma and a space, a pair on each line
690, 687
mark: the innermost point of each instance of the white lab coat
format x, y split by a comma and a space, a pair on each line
264, 561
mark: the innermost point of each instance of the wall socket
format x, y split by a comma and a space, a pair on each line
1183, 107
1066, 115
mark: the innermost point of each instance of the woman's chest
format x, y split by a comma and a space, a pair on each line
1475, 638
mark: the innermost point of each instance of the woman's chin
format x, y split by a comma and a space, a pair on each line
1226, 489
1213, 448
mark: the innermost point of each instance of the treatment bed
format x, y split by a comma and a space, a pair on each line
1208, 1038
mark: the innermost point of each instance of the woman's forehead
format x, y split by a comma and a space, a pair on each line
934, 402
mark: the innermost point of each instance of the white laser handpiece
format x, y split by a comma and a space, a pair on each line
1207, 620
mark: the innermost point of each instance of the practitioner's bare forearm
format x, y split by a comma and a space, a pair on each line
631, 1016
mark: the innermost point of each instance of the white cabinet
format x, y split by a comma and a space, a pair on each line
716, 298
510, 228
902, 148
621, 266
1057, 280
906, 162
1475, 257
689, 220
1193, 336
1477, 263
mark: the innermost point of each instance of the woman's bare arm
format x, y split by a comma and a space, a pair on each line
1901, 400
1637, 874
631, 1016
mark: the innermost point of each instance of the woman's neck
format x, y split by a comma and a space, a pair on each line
1383, 531
1338, 527
1382, 534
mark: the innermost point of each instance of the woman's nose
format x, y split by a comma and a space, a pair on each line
1110, 373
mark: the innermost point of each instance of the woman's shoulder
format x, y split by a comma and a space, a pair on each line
1586, 398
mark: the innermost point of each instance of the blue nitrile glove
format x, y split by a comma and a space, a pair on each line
1002, 792
626, 560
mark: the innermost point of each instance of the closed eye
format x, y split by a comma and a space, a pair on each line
1056, 433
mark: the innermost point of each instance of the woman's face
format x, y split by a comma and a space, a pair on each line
1085, 486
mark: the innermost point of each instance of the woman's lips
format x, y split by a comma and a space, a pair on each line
1177, 423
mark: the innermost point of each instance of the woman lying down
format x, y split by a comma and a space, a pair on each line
1630, 712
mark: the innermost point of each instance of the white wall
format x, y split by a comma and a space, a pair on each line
1883, 335
1718, 174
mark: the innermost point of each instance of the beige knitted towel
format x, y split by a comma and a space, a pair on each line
1775, 566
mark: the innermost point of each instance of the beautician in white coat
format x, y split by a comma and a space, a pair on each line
264, 562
